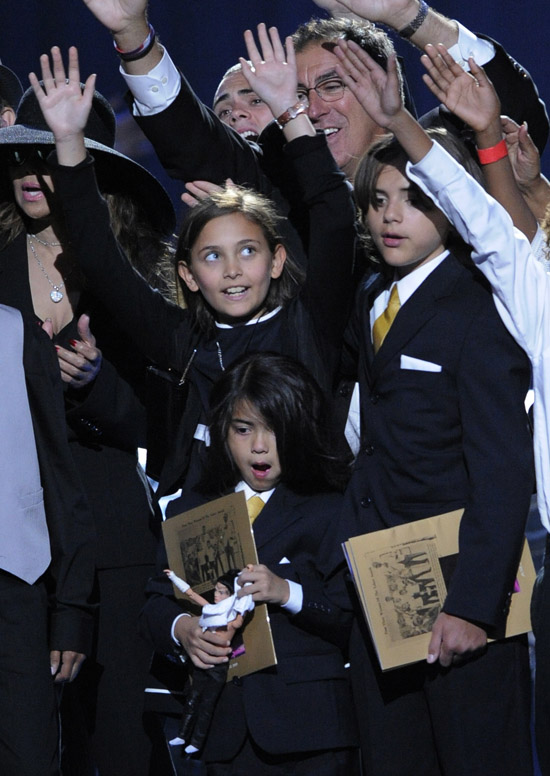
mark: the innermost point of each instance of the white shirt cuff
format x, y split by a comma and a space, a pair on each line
469, 45
172, 630
155, 91
296, 598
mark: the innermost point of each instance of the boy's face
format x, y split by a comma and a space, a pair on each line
405, 233
253, 447
238, 106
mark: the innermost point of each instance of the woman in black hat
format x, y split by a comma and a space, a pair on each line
104, 394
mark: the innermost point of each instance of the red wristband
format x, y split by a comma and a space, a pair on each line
493, 154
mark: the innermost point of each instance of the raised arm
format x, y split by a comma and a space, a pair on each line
128, 23
272, 74
525, 160
378, 93
472, 97
427, 24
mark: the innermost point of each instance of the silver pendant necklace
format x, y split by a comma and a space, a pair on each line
44, 242
55, 294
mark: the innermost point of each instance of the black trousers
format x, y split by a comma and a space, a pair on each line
468, 720
28, 717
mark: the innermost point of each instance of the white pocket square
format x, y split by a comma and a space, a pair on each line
409, 362
284, 560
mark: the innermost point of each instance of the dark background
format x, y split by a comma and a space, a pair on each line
204, 38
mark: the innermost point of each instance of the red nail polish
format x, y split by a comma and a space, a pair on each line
73, 342
56, 347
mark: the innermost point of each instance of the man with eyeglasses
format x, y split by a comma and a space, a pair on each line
167, 110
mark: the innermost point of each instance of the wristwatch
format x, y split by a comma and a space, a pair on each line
290, 113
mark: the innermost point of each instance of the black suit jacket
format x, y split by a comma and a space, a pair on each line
71, 573
213, 151
303, 703
435, 441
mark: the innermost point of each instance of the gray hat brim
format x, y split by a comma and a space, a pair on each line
116, 173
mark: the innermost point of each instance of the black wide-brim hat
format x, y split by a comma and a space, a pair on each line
10, 87
116, 173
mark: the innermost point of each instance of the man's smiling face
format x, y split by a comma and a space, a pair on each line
349, 130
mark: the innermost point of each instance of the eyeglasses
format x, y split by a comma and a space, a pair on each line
329, 90
22, 155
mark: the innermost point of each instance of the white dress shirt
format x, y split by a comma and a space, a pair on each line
520, 282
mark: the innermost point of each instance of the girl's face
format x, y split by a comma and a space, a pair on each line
253, 447
406, 234
220, 592
232, 267
31, 186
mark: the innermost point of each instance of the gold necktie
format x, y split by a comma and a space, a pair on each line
254, 505
383, 323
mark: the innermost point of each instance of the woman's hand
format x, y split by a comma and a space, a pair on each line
64, 105
80, 366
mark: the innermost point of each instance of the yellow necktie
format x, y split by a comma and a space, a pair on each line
254, 505
383, 323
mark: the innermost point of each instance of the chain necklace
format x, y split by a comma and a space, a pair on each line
44, 242
55, 294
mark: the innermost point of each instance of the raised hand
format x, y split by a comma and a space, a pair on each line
117, 15
394, 13
272, 74
523, 153
199, 190
470, 96
376, 90
63, 103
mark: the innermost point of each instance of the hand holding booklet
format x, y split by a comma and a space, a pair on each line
401, 576
207, 541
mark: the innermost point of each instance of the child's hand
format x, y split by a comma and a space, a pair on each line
273, 74
199, 190
265, 586
65, 106
454, 640
470, 96
205, 649
378, 91
522, 152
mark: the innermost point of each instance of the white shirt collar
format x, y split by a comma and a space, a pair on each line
261, 319
265, 495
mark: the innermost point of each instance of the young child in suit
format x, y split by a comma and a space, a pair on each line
443, 427
267, 437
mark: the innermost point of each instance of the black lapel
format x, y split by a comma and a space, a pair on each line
416, 312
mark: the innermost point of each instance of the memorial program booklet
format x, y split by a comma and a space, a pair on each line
204, 543
401, 577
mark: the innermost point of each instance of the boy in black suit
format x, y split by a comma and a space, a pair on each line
443, 427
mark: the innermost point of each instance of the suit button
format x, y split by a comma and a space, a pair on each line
344, 390
366, 501
237, 681
374, 398
369, 449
